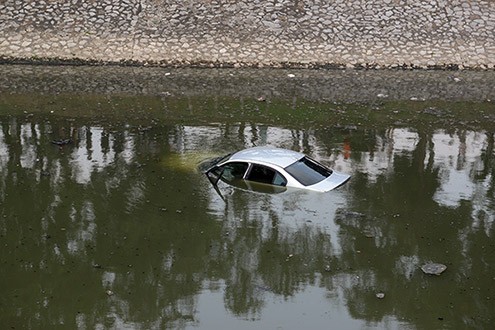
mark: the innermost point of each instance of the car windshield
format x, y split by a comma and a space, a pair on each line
308, 171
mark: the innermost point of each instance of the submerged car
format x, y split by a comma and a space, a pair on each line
275, 167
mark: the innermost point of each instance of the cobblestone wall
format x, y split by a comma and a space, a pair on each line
376, 33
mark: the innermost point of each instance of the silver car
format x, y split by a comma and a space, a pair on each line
276, 167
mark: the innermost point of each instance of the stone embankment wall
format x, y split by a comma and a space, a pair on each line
352, 33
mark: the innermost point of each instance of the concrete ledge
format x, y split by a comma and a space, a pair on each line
292, 33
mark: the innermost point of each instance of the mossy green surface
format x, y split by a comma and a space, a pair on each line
296, 112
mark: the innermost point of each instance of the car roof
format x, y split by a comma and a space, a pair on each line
268, 155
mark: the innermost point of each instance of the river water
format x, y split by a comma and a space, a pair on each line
115, 227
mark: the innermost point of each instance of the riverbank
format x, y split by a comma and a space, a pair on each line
301, 99
319, 86
216, 33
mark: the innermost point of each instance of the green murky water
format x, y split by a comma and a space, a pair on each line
118, 229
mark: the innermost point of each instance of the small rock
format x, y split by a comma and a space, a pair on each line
109, 293
380, 295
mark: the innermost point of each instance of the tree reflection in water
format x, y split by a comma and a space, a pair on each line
100, 233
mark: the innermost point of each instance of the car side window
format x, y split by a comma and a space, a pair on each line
234, 171
279, 180
263, 174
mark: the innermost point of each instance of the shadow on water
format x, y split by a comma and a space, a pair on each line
118, 228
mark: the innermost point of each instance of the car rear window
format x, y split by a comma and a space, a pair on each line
308, 171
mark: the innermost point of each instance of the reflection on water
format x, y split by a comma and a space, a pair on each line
117, 229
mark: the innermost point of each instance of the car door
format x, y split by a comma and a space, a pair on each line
234, 171
265, 174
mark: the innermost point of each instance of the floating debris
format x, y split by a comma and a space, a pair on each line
433, 268
62, 142
434, 112
109, 293
350, 214
143, 129
350, 218
264, 288
368, 233
380, 295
